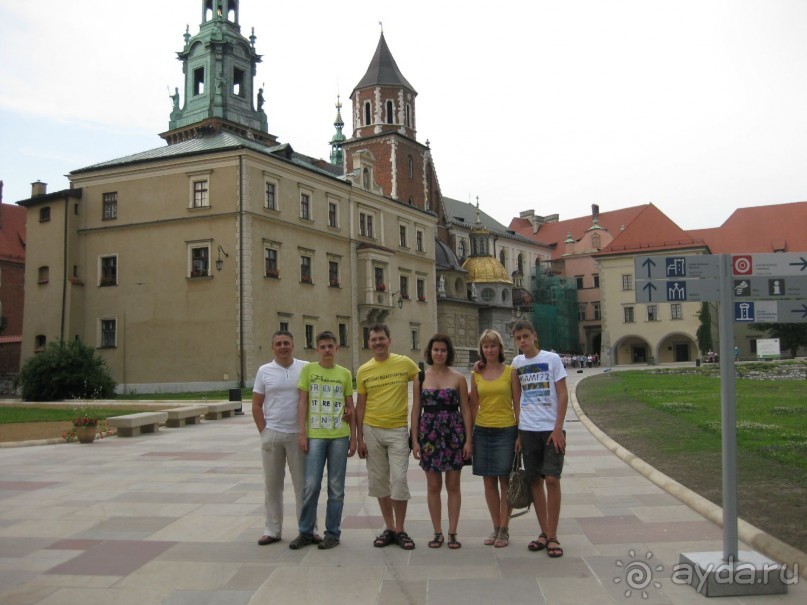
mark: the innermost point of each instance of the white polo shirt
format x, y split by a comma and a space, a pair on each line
279, 387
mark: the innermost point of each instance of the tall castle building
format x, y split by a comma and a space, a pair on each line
178, 263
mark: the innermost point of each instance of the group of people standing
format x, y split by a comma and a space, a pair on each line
306, 416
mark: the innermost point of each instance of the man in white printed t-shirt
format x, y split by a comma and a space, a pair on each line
541, 430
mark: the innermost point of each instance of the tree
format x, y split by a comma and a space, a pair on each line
791, 336
704, 333
70, 370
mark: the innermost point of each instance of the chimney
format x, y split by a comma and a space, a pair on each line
38, 188
535, 221
595, 211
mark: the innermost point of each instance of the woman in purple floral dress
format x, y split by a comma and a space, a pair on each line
441, 434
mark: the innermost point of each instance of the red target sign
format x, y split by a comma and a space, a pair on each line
742, 265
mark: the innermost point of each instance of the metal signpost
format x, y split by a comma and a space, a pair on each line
747, 288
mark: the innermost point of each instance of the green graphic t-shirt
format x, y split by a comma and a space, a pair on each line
327, 389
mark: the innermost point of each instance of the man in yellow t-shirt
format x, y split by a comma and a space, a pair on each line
382, 412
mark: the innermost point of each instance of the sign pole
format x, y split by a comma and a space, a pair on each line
729, 417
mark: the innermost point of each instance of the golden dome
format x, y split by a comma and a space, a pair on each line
485, 269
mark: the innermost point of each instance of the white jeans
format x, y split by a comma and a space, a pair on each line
277, 449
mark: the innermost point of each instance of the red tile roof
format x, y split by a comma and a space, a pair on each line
12, 232
651, 231
557, 232
775, 228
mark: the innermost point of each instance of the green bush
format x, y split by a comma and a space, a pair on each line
65, 371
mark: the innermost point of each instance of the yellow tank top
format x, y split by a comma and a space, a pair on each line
495, 400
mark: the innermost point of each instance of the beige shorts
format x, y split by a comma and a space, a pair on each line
387, 462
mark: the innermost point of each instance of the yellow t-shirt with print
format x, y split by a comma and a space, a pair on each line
386, 384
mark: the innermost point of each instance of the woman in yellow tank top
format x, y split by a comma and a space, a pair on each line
494, 389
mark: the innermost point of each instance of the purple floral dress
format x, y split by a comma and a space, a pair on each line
441, 432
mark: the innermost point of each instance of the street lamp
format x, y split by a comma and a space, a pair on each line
219, 260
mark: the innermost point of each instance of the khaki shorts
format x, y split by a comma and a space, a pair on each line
387, 462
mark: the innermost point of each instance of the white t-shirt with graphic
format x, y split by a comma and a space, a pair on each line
539, 396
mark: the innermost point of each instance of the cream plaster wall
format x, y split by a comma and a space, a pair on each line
175, 332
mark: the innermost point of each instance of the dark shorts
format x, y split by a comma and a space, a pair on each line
540, 460
493, 450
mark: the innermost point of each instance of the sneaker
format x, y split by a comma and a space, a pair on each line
328, 542
300, 541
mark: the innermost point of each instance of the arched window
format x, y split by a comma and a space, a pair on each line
461, 249
520, 263
502, 259
389, 113
410, 166
367, 113
408, 116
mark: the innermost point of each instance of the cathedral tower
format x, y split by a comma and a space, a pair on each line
338, 139
219, 65
383, 154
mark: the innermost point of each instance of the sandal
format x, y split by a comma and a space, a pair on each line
492, 537
438, 540
453, 544
385, 538
553, 551
403, 540
502, 538
536, 544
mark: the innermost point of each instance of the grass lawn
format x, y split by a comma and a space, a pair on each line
672, 421
30, 413
246, 395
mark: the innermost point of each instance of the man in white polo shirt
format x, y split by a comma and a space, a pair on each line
274, 409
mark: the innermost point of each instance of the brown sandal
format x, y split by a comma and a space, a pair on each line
553, 551
536, 544
403, 540
438, 540
385, 538
492, 537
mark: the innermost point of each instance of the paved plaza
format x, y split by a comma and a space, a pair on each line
173, 519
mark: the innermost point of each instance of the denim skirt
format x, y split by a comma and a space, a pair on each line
493, 450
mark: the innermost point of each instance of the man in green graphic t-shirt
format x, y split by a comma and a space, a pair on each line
327, 434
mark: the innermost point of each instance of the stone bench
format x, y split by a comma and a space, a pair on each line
137, 424
225, 409
189, 414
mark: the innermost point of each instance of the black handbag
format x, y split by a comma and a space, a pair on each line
519, 494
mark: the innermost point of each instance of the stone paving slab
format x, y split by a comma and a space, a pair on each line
173, 518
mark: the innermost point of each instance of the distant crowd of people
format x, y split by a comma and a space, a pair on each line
580, 360
307, 419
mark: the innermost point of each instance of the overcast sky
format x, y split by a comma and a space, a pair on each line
698, 106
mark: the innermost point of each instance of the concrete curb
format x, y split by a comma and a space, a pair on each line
31, 443
751, 535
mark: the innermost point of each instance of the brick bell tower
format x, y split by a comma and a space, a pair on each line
383, 155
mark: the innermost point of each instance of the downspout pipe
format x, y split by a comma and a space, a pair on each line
64, 267
241, 360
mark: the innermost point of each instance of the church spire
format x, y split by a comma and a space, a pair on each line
337, 155
219, 64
